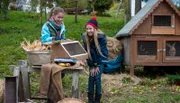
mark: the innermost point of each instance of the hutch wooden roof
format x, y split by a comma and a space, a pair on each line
144, 13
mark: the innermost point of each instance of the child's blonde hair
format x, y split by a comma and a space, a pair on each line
55, 11
95, 37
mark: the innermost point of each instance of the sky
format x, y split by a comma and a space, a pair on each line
176, 2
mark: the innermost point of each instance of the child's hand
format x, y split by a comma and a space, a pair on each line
97, 70
94, 71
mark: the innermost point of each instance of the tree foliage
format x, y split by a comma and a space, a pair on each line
127, 11
34, 4
82, 4
102, 5
4, 8
178, 7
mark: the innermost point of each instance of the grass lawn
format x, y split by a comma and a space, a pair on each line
117, 88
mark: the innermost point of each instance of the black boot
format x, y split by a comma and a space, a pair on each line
97, 98
90, 98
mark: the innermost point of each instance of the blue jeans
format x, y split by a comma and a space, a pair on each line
95, 81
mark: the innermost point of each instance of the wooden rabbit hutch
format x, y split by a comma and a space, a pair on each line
152, 36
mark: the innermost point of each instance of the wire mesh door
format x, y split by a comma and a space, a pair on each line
172, 50
147, 50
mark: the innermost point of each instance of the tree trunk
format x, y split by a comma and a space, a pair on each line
41, 1
127, 12
45, 10
4, 8
137, 6
0, 4
119, 6
6, 17
93, 3
76, 10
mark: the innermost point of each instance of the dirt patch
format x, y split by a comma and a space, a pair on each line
116, 81
1, 89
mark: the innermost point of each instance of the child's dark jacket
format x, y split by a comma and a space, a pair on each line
97, 59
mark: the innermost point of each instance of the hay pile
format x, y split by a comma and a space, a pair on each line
114, 47
1, 90
115, 81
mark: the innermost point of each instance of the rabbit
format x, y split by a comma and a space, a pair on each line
172, 49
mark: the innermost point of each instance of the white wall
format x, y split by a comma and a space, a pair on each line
133, 7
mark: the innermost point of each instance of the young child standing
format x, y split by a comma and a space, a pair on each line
54, 28
95, 44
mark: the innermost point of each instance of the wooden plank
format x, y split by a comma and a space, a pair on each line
11, 68
11, 92
177, 24
25, 78
163, 30
33, 69
20, 89
75, 84
16, 71
25, 69
23, 62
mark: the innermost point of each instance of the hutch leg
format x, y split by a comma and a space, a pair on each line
123, 68
132, 70
75, 84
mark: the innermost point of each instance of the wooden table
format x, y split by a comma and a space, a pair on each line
23, 70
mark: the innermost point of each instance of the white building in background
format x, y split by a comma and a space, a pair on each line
133, 6
24, 5
47, 8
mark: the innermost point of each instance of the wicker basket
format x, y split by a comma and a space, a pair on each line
70, 100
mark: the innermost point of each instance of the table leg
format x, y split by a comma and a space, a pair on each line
25, 78
75, 84
26, 84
